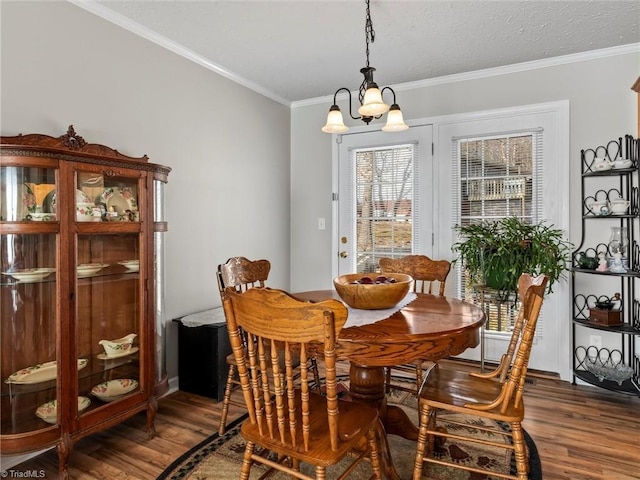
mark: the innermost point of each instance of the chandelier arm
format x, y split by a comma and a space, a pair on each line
391, 90
350, 108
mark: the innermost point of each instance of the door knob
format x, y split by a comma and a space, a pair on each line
343, 254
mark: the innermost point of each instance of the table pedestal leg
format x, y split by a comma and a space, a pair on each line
367, 385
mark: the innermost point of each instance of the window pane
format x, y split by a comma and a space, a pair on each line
384, 204
496, 181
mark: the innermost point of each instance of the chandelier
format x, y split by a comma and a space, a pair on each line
371, 103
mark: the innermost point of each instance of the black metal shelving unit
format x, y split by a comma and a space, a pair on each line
600, 184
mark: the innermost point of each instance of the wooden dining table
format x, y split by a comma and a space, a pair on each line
429, 328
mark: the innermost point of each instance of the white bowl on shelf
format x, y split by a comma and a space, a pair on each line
131, 265
30, 275
49, 411
84, 212
41, 217
114, 389
88, 269
622, 164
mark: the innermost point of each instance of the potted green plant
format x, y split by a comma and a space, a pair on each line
497, 253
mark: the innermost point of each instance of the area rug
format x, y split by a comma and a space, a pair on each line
220, 457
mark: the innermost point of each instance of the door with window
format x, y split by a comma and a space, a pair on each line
512, 162
396, 197
385, 198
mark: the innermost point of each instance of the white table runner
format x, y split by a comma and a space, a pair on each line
358, 317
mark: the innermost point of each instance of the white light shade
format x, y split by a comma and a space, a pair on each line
395, 122
372, 105
335, 123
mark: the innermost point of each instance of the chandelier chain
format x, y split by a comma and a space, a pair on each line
369, 32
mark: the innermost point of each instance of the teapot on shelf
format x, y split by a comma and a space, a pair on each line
619, 205
602, 164
599, 207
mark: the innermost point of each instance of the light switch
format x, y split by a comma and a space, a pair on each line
321, 224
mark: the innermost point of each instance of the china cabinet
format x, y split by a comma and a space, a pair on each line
81, 282
605, 274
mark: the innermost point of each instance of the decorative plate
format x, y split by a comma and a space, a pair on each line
49, 202
104, 356
114, 389
49, 411
22, 203
40, 372
88, 269
131, 265
30, 275
119, 199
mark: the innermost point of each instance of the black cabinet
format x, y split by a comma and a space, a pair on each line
605, 270
202, 352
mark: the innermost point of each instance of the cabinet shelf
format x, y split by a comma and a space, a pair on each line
629, 273
624, 328
628, 386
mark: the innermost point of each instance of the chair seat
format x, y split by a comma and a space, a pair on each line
454, 391
351, 415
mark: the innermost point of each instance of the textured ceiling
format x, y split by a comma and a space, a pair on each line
297, 50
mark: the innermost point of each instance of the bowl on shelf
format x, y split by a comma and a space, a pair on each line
622, 163
114, 389
29, 275
84, 212
608, 370
49, 411
131, 265
41, 217
88, 269
371, 291
119, 346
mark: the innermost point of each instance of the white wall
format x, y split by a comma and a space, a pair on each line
228, 192
602, 107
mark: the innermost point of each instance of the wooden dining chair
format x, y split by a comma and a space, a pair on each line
298, 425
501, 371
243, 274
460, 392
429, 276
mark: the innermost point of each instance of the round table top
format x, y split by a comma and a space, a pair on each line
429, 328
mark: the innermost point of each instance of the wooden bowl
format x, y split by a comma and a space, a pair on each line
374, 296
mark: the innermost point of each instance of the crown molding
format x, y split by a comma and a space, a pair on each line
147, 34
493, 72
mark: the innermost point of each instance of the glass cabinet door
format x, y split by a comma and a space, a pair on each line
27, 331
108, 300
28, 274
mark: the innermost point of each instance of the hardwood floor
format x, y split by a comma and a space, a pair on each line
581, 433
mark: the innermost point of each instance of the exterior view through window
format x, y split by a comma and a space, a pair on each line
385, 204
497, 179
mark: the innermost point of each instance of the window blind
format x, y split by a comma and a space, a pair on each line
494, 177
386, 203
